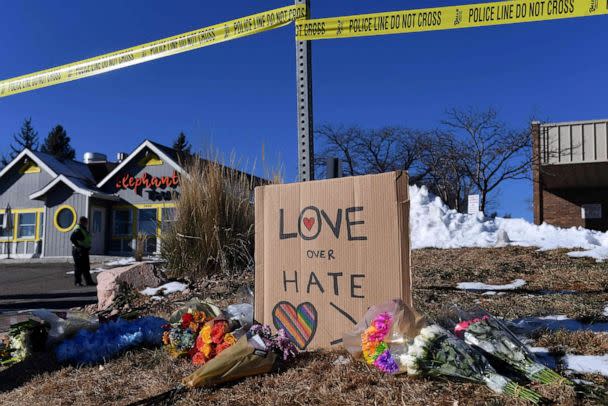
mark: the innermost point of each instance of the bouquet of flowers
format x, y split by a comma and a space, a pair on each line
492, 337
23, 339
254, 353
375, 350
279, 342
198, 337
179, 338
395, 339
436, 352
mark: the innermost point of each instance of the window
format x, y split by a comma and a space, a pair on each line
168, 218
96, 224
65, 218
147, 224
27, 225
123, 223
6, 227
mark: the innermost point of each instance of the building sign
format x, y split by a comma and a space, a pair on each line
591, 211
146, 181
473, 204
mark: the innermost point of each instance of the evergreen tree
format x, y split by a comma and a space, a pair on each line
57, 143
182, 146
27, 138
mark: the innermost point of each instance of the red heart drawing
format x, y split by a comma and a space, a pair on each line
309, 222
299, 323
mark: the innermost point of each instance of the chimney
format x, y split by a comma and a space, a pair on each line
94, 158
121, 156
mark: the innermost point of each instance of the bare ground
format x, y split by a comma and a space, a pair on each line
314, 379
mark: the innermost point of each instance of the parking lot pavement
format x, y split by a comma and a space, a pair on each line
42, 285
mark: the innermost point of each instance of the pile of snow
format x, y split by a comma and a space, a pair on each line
587, 364
516, 284
121, 262
165, 289
433, 224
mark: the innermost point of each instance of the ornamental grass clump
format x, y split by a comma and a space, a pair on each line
214, 222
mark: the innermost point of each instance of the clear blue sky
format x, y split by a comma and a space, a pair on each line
240, 96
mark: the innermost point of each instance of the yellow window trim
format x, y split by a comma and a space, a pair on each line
151, 160
16, 213
56, 223
134, 219
30, 167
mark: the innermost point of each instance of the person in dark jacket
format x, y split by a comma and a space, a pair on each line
81, 245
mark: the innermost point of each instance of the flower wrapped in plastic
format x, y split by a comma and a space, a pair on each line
437, 352
252, 354
394, 338
488, 334
23, 339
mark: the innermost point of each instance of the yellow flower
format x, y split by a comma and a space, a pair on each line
207, 348
206, 333
199, 316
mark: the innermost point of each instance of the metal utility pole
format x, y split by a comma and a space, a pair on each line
306, 150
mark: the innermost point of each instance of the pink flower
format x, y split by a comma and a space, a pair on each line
382, 323
464, 325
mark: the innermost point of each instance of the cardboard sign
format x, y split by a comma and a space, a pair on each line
325, 251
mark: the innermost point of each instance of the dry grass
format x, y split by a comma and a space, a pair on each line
574, 342
314, 379
214, 225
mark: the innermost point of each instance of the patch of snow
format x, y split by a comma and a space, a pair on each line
587, 364
96, 270
121, 262
516, 284
558, 322
433, 224
165, 289
489, 293
342, 360
157, 298
605, 312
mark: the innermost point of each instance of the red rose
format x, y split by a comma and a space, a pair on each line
187, 318
199, 358
218, 331
199, 343
221, 347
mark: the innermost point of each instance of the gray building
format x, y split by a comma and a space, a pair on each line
41, 199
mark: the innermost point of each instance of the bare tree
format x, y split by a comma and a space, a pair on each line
341, 143
371, 151
444, 175
490, 153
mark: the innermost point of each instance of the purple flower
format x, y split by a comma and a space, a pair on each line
386, 363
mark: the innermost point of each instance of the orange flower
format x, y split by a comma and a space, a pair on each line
166, 339
206, 333
199, 316
194, 327
199, 358
199, 343
229, 339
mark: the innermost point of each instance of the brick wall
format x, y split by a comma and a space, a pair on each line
563, 207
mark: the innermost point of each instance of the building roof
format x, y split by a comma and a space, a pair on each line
78, 185
167, 154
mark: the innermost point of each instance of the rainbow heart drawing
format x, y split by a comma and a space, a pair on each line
299, 323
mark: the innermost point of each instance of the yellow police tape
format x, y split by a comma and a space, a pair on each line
446, 18
188, 41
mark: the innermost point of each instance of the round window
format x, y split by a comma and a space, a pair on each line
65, 218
